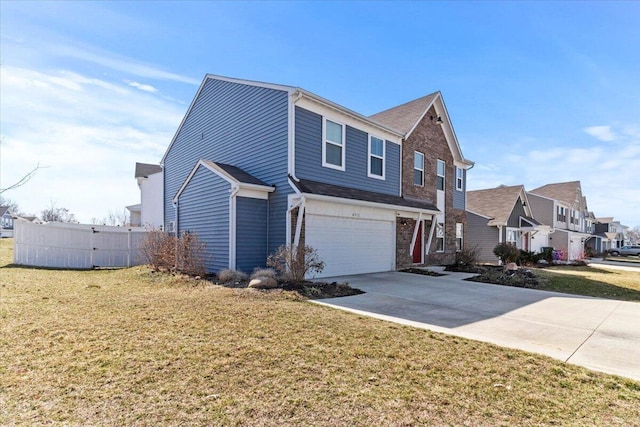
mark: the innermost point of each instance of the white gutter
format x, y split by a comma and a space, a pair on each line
232, 226
370, 204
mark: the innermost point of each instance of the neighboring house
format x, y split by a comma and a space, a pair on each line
604, 237
433, 170
563, 207
502, 215
149, 212
31, 219
254, 166
6, 222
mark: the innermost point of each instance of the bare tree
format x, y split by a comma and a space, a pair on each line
56, 214
12, 205
22, 181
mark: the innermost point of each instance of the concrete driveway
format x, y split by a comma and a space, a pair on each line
599, 334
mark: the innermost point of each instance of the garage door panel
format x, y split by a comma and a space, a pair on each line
351, 245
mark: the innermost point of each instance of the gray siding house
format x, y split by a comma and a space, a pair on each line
502, 215
254, 166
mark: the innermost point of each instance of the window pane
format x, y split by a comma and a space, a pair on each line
334, 154
334, 132
417, 177
440, 183
418, 162
440, 168
376, 146
376, 166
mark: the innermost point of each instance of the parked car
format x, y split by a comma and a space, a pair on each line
625, 250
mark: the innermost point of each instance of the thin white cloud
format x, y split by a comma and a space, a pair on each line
119, 63
603, 133
87, 132
143, 87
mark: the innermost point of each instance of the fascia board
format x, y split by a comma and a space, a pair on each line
310, 196
343, 110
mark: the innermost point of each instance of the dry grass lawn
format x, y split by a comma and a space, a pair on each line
129, 347
596, 281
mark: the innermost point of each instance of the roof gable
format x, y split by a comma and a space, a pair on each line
235, 176
566, 192
143, 170
496, 203
406, 117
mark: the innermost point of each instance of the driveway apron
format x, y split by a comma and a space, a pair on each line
599, 334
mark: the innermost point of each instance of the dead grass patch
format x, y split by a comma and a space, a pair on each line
130, 347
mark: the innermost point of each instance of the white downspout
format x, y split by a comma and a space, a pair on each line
232, 227
292, 133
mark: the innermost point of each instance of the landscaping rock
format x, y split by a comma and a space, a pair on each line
263, 283
512, 266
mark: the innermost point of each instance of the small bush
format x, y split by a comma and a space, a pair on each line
164, 252
506, 252
232, 276
530, 258
264, 272
294, 263
468, 256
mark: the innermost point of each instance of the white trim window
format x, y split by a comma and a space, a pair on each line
459, 178
418, 168
440, 237
512, 236
441, 171
377, 153
333, 144
459, 234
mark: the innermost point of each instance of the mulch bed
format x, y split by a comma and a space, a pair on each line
421, 271
307, 289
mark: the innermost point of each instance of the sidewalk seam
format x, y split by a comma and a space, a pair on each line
594, 331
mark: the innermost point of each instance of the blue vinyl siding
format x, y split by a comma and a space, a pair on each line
203, 208
458, 196
251, 233
516, 213
238, 124
309, 157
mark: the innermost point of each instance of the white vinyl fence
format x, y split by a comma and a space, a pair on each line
81, 246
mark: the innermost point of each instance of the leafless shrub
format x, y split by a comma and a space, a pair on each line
232, 276
158, 250
294, 263
263, 272
164, 252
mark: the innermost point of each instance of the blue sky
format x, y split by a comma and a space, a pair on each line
538, 92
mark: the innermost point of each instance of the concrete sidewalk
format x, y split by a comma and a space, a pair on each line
599, 334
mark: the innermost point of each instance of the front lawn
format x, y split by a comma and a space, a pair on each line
596, 281
129, 347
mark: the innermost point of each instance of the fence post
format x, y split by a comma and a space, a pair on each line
129, 248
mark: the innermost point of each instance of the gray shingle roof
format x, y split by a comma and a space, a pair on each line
322, 189
563, 191
143, 170
238, 174
404, 117
496, 203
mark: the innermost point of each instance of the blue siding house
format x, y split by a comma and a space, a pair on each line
254, 166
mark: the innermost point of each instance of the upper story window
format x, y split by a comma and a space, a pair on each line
418, 168
441, 171
333, 148
459, 178
562, 214
376, 157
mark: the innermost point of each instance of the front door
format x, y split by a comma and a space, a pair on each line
417, 249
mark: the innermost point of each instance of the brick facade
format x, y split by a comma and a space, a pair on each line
429, 138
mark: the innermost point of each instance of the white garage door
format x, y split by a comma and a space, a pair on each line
351, 245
